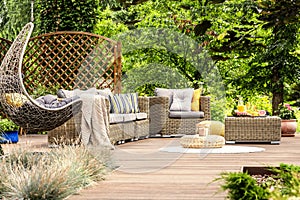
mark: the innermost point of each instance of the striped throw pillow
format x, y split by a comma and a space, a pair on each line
120, 104
133, 98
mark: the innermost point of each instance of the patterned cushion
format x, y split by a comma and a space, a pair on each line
121, 103
133, 98
124, 103
15, 99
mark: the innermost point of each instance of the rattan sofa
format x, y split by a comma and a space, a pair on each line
162, 124
118, 132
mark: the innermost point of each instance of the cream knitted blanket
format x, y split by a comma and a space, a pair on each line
94, 120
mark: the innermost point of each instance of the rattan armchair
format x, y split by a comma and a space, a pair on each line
161, 123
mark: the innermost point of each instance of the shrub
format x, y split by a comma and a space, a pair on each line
50, 175
241, 186
286, 112
8, 125
284, 185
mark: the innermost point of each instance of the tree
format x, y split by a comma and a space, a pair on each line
282, 18
68, 15
252, 43
14, 15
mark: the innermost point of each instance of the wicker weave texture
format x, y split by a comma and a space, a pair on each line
158, 108
142, 128
116, 133
129, 131
181, 126
161, 123
68, 133
196, 141
248, 129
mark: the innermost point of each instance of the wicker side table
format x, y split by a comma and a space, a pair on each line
253, 129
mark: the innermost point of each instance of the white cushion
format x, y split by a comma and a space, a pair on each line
182, 99
141, 115
163, 92
129, 117
116, 118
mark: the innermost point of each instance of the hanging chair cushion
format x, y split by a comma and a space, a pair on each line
51, 101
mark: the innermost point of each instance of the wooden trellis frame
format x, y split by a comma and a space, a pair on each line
70, 60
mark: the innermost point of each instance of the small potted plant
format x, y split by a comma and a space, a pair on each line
9, 131
288, 120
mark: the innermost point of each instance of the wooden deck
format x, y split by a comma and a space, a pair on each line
146, 173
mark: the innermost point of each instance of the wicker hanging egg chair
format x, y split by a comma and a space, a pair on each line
17, 104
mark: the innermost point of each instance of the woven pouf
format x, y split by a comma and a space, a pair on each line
196, 141
215, 127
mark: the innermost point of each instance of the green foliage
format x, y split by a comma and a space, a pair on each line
107, 23
253, 102
261, 103
279, 65
286, 112
253, 44
8, 125
3, 14
50, 175
241, 186
297, 113
14, 14
155, 75
290, 180
42, 90
68, 15
148, 89
281, 186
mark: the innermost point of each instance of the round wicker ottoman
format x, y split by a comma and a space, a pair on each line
215, 127
196, 141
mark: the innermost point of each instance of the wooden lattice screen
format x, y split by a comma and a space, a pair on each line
70, 60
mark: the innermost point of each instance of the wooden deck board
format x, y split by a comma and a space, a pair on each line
185, 177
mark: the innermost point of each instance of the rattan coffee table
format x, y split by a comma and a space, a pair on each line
253, 129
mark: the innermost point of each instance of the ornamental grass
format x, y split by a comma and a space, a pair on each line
51, 175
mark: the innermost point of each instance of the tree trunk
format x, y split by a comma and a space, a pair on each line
277, 90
